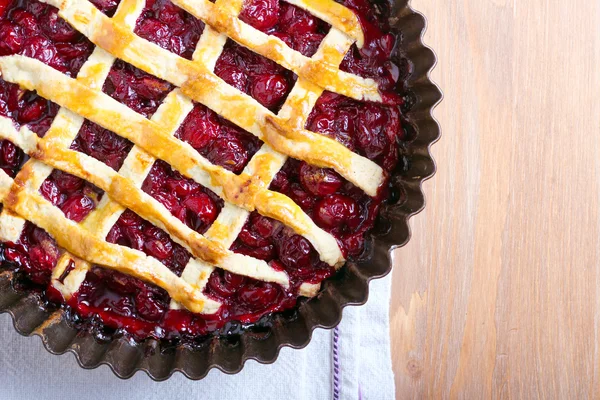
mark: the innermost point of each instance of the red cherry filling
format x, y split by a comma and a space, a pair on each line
294, 251
102, 144
135, 88
319, 181
115, 292
335, 204
11, 158
142, 309
373, 59
246, 299
255, 239
26, 108
35, 253
372, 130
35, 30
335, 211
261, 14
253, 74
74, 196
108, 7
134, 232
224, 284
3, 5
267, 239
299, 29
170, 27
122, 302
269, 89
217, 139
187, 200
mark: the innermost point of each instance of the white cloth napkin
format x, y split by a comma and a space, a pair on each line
350, 362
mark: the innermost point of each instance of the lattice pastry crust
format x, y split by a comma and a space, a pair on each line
283, 134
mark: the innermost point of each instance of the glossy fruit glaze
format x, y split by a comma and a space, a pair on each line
113, 301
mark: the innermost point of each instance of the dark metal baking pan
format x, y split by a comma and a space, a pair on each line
349, 287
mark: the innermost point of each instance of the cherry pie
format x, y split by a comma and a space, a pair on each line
169, 167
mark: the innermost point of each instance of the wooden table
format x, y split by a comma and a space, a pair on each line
497, 293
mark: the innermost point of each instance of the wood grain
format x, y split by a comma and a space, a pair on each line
497, 295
